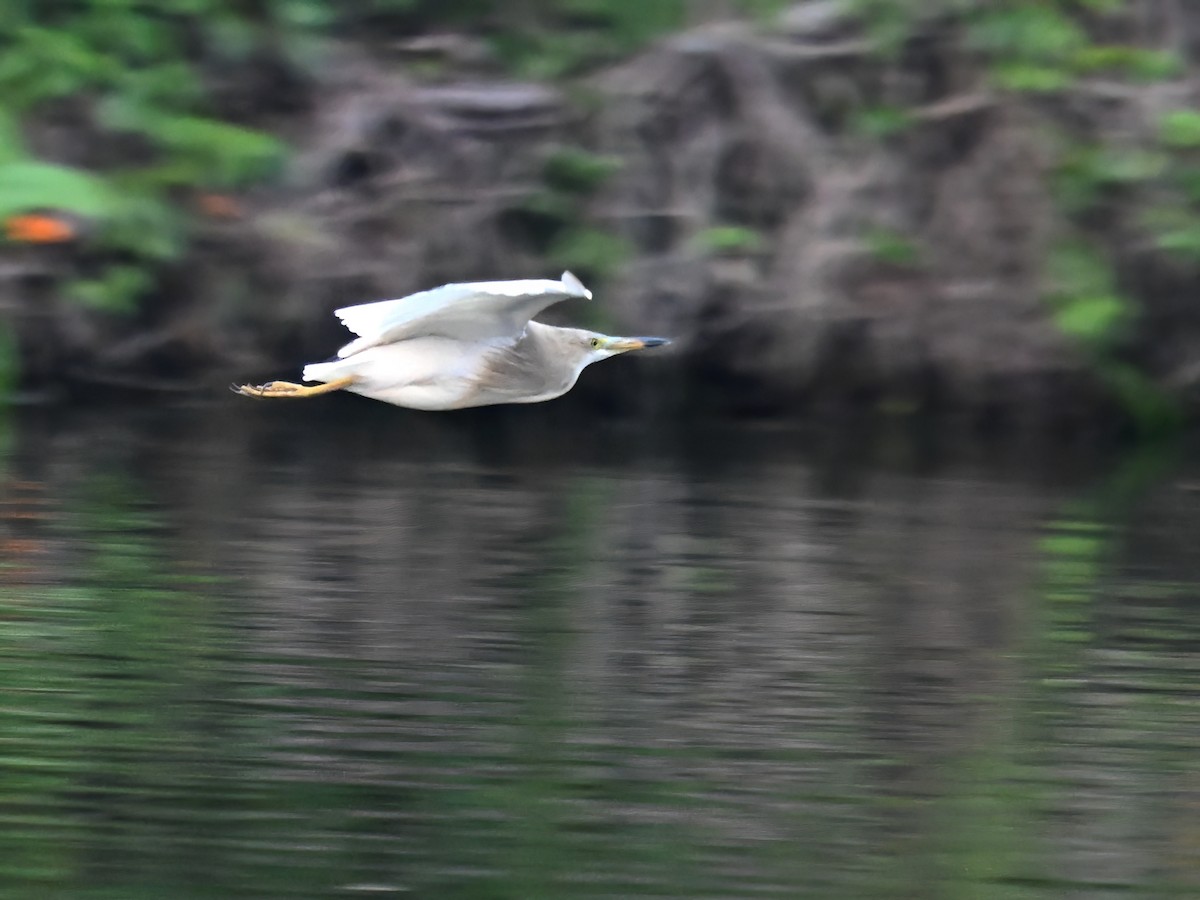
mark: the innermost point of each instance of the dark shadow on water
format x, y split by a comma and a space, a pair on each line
333, 648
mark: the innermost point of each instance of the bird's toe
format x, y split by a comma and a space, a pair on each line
269, 389
250, 390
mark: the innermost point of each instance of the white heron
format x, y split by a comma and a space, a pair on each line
459, 345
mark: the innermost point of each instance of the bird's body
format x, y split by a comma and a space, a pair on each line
458, 346
438, 373
421, 373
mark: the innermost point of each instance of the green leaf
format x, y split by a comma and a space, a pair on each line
51, 62
12, 143
578, 171
1028, 77
1076, 269
1174, 228
304, 14
1147, 65
1086, 171
34, 185
1117, 166
1092, 319
888, 23
229, 36
169, 85
235, 155
118, 290
729, 239
890, 246
1182, 241
1180, 129
1083, 294
1031, 31
222, 153
881, 121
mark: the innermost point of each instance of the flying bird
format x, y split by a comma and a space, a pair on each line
457, 346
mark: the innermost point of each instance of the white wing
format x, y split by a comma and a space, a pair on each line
482, 310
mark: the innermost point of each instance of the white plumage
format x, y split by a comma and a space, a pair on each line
477, 311
460, 345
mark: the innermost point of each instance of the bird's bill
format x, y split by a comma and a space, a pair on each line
620, 344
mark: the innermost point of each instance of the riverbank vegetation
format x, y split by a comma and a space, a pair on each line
911, 207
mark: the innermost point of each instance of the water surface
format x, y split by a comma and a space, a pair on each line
337, 649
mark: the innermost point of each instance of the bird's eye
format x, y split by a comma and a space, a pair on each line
595, 343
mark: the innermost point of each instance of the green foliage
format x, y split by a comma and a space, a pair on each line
1153, 411
889, 22
880, 121
590, 252
557, 215
1185, 176
1086, 171
33, 185
143, 224
132, 69
1092, 319
890, 246
1044, 46
1183, 240
551, 38
118, 290
1176, 229
577, 171
12, 145
1030, 77
1076, 268
1174, 224
1132, 62
1029, 32
1033, 45
728, 239
563, 36
1180, 129
200, 150
1087, 305
1089, 308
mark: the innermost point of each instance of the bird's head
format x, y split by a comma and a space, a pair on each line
594, 347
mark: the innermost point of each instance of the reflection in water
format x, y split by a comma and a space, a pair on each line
519, 654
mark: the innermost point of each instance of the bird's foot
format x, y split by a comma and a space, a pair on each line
270, 389
289, 389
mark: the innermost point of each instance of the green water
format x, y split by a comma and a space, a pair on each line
340, 650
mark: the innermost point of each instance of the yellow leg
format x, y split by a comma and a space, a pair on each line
288, 389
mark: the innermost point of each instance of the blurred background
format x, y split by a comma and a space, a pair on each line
882, 582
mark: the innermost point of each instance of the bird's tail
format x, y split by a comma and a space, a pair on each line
322, 371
